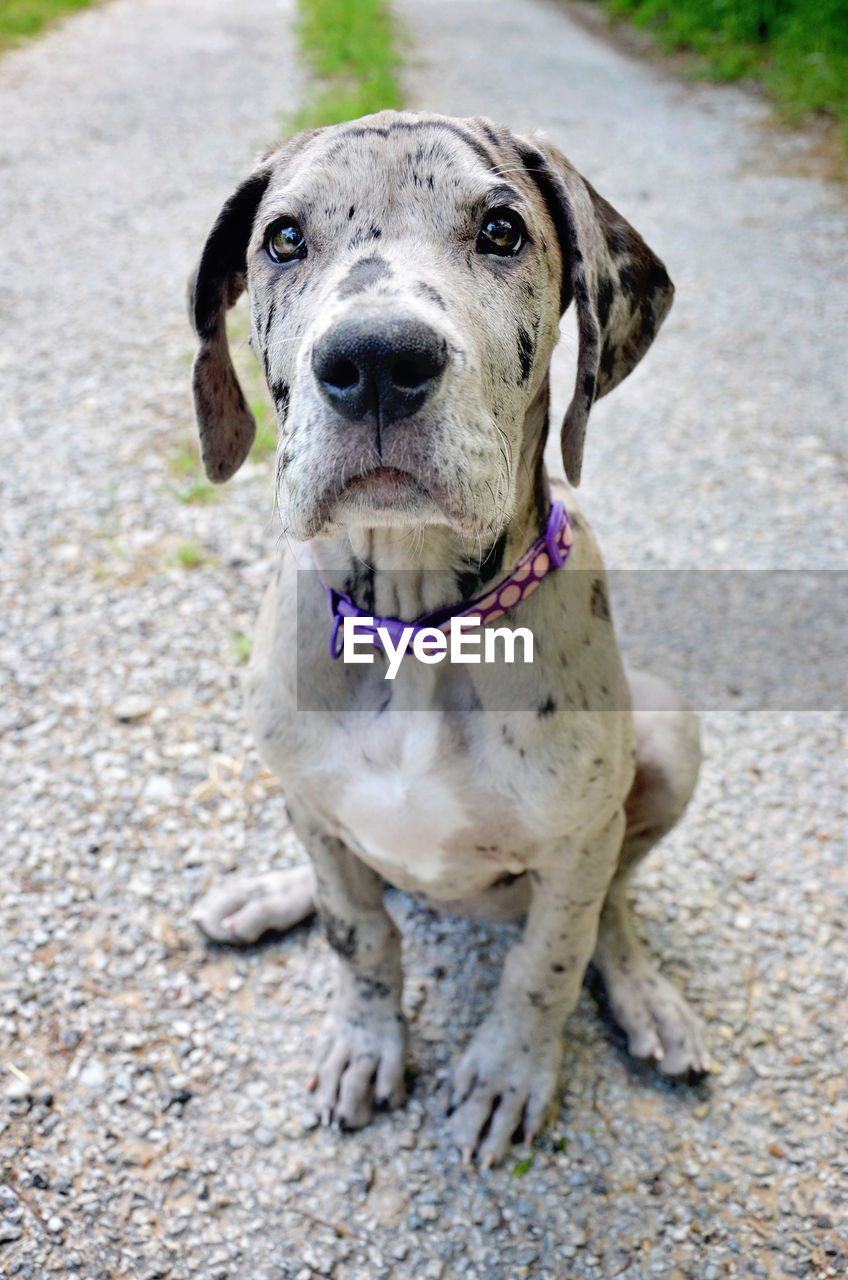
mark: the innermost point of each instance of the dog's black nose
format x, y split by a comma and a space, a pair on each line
382, 366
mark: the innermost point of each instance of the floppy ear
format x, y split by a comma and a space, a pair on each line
226, 425
620, 288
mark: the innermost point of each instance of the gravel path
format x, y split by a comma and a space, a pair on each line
153, 1119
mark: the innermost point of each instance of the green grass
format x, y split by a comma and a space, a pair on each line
22, 18
798, 49
265, 444
350, 46
242, 646
190, 556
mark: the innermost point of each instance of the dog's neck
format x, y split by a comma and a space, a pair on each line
405, 573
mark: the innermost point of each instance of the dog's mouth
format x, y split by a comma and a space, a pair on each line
383, 487
386, 495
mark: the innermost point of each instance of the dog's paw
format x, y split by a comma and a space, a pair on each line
658, 1021
241, 908
503, 1084
359, 1065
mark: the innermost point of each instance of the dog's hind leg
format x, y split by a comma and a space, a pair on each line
241, 908
656, 1018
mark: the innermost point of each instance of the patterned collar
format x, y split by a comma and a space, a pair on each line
548, 552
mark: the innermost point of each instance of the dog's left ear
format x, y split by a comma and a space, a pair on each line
621, 290
227, 427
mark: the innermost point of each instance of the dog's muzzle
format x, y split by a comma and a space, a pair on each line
385, 367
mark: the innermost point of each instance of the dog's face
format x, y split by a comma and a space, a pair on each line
404, 328
406, 276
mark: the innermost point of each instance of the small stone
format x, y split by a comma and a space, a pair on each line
159, 790
55, 1225
18, 1090
135, 706
93, 1074
9, 1232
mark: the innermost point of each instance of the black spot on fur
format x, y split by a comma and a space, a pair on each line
508, 878
269, 319
605, 295
609, 355
363, 274
280, 394
546, 708
600, 604
341, 936
371, 988
526, 350
474, 575
425, 290
351, 211
359, 585
374, 233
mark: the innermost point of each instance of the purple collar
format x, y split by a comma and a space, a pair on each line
550, 551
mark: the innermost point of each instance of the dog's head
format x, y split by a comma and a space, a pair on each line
406, 276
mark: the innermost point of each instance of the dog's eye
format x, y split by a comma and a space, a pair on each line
503, 232
284, 241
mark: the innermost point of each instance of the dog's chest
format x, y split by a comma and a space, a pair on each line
408, 806
398, 804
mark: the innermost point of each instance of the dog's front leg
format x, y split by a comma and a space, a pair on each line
362, 1047
507, 1077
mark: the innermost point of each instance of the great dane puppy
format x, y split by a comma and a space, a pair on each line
406, 276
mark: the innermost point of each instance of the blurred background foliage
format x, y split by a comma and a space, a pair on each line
351, 48
797, 49
21, 18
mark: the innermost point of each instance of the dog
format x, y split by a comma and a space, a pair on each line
406, 276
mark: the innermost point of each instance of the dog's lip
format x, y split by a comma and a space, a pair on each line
383, 486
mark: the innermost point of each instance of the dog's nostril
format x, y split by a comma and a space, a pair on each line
409, 373
342, 374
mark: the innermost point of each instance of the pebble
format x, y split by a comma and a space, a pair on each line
93, 1074
18, 1090
134, 706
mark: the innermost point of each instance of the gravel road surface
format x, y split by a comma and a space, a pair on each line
153, 1119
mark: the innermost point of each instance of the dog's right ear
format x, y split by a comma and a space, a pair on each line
226, 425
